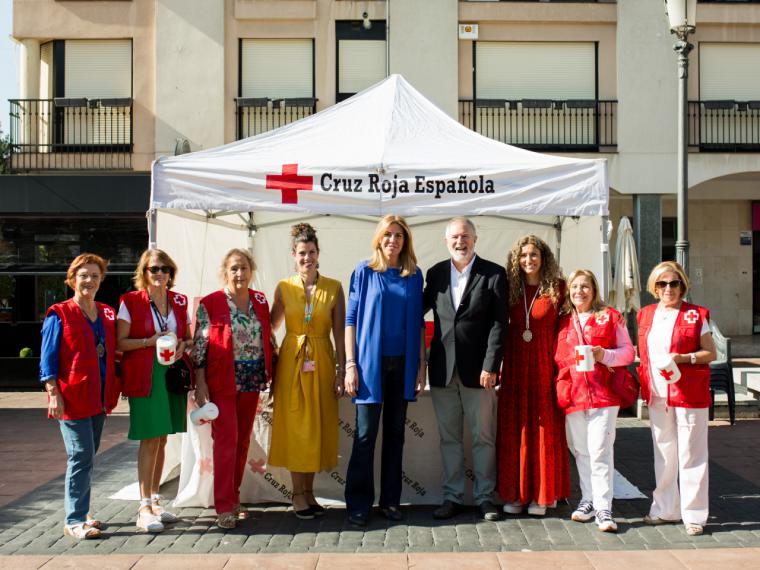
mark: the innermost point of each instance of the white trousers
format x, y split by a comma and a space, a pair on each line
680, 462
591, 439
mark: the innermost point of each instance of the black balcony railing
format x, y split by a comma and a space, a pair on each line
576, 125
70, 134
259, 115
724, 125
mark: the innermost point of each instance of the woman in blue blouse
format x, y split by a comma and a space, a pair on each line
385, 364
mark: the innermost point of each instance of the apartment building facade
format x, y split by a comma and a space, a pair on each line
108, 86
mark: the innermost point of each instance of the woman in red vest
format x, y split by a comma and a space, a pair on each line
590, 404
678, 410
233, 360
154, 412
80, 331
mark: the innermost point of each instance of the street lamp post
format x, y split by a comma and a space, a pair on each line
682, 15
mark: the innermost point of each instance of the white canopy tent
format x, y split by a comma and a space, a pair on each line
386, 150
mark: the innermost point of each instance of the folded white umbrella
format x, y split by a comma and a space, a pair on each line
625, 294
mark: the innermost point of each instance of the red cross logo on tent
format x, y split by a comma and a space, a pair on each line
691, 316
289, 182
667, 374
579, 358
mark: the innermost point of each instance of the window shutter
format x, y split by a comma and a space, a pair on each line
535, 70
98, 68
277, 69
729, 71
361, 64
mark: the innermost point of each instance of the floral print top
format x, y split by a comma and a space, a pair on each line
248, 349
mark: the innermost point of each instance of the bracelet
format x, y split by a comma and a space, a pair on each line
351, 364
350, 360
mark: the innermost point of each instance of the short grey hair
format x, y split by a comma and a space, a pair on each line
460, 219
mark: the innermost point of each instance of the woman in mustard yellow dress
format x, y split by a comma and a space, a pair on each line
310, 373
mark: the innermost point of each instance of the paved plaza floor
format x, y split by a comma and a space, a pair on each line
32, 462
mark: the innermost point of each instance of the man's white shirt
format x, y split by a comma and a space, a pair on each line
459, 281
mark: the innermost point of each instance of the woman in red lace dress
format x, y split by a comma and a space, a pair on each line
533, 469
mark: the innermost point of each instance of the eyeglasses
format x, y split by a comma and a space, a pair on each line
672, 284
155, 269
86, 276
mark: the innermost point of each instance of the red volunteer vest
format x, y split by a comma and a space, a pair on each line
585, 390
137, 365
693, 389
220, 360
78, 367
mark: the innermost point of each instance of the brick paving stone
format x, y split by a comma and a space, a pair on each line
33, 523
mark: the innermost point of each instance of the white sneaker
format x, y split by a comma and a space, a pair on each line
513, 508
605, 522
584, 512
536, 510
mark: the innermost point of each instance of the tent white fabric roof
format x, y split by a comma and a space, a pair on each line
386, 150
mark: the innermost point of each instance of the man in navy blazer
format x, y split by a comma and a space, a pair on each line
468, 296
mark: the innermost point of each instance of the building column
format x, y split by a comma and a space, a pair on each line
426, 55
647, 232
29, 88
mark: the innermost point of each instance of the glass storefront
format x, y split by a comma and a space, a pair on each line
34, 256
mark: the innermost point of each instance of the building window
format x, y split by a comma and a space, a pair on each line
81, 118
276, 84
536, 94
361, 56
92, 87
727, 115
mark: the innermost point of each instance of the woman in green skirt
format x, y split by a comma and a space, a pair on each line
144, 316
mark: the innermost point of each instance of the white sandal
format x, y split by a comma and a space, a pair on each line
163, 515
146, 520
81, 531
94, 523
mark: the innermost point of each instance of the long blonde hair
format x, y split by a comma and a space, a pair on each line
406, 258
597, 305
550, 274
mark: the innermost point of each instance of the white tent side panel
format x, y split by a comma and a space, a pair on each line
581, 246
198, 247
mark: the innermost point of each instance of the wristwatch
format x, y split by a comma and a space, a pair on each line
693, 358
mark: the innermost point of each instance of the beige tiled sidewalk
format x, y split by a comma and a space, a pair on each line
621, 560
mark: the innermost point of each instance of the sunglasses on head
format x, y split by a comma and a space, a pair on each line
672, 284
155, 269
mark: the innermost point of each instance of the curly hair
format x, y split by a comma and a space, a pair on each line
550, 274
303, 233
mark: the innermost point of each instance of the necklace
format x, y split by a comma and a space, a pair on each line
308, 308
100, 340
527, 335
